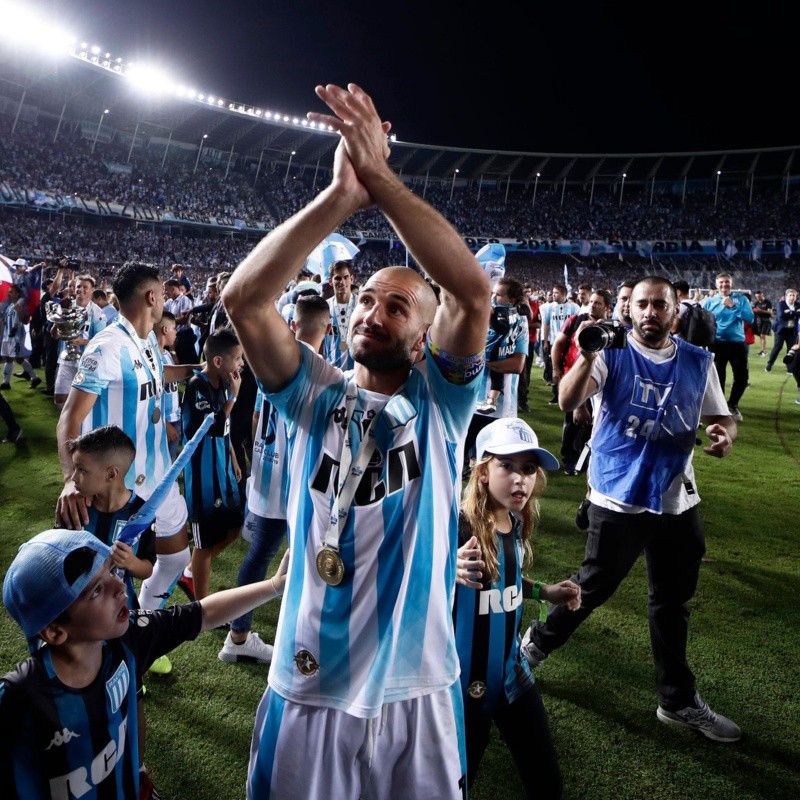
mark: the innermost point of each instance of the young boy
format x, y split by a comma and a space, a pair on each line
102, 458
211, 477
68, 722
166, 331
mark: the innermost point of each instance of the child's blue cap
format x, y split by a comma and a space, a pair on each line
37, 590
510, 435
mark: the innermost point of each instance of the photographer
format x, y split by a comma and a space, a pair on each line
505, 352
578, 423
649, 398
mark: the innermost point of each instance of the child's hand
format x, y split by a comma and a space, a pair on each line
279, 578
468, 564
234, 382
172, 433
122, 555
566, 593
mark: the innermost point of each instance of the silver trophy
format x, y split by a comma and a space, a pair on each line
69, 324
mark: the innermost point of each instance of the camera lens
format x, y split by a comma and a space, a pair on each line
594, 338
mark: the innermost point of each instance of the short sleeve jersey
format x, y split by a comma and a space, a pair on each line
128, 386
385, 633
61, 742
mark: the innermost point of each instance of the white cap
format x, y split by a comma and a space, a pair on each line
20, 262
510, 435
308, 286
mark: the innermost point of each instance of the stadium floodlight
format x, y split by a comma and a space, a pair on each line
29, 30
622, 187
716, 188
149, 78
535, 186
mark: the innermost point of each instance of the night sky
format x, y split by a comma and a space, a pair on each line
558, 77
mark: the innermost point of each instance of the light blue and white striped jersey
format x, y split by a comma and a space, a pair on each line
335, 343
112, 367
269, 478
385, 633
171, 404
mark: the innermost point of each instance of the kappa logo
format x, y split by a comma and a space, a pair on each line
137, 364
64, 736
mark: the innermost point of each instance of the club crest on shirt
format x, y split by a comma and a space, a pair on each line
117, 686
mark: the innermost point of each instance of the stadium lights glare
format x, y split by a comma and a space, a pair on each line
29, 30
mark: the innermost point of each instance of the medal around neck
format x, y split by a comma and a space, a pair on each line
156, 415
330, 566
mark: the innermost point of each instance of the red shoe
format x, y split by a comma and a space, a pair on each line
187, 585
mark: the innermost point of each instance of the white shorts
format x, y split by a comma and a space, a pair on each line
67, 370
13, 348
172, 514
414, 749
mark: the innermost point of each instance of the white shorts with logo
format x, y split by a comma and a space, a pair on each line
67, 370
172, 514
414, 749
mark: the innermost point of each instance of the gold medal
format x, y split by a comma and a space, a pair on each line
343, 346
477, 689
330, 566
156, 415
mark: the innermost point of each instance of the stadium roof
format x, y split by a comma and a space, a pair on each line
79, 89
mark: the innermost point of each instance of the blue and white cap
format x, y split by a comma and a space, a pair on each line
37, 588
510, 435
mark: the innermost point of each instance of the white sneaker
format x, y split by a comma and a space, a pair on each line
735, 413
251, 649
702, 719
533, 655
487, 407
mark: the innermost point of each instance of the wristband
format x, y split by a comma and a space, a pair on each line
274, 588
535, 590
231, 396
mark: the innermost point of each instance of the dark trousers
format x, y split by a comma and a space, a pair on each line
673, 546
524, 383
242, 425
783, 338
186, 347
50, 348
573, 440
8, 415
524, 728
735, 354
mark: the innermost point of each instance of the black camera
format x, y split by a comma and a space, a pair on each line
606, 335
500, 320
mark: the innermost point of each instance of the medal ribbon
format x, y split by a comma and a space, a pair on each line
148, 357
350, 470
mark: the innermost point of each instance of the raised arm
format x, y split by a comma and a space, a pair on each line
249, 296
463, 315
